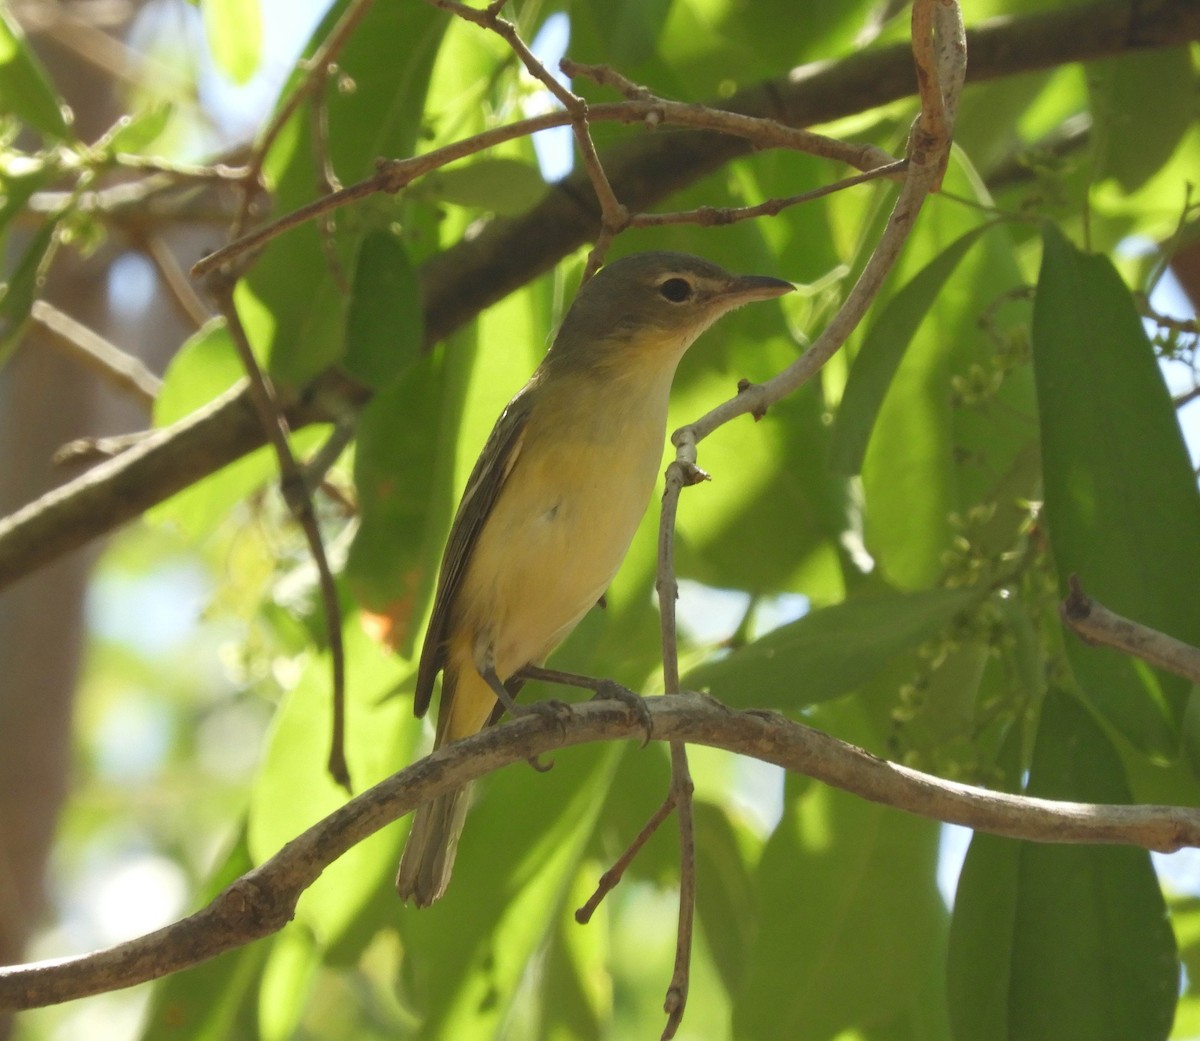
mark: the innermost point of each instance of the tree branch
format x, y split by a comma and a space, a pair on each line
263, 900
458, 283
1094, 623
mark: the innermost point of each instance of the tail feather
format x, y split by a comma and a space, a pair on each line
429, 853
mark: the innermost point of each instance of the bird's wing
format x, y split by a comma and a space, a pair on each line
491, 470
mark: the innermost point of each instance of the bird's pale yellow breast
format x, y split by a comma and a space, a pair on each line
568, 511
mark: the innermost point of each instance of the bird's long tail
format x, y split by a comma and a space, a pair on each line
467, 706
429, 853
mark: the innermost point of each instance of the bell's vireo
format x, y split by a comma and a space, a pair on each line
553, 503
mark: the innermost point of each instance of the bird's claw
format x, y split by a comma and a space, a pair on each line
609, 690
558, 712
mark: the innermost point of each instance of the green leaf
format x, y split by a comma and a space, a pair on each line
234, 31
830, 651
403, 500
25, 90
931, 454
725, 897
17, 294
501, 185
384, 326
290, 303
1122, 509
294, 790
1132, 145
881, 352
848, 917
287, 980
1052, 941
517, 866
212, 1001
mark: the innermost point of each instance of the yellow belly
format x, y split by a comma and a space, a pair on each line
553, 542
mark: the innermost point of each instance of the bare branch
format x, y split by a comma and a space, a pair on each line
118, 369
1094, 623
476, 272
262, 901
295, 490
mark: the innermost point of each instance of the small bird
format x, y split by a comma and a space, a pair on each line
552, 505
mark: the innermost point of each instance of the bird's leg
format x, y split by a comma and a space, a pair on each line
559, 711
603, 689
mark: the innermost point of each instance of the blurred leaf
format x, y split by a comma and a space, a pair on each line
830, 651
137, 132
212, 1001
203, 368
286, 982
629, 29
1053, 941
384, 326
848, 916
20, 177
18, 293
517, 863
1130, 146
1122, 507
724, 894
25, 89
882, 350
294, 790
500, 185
578, 984
234, 32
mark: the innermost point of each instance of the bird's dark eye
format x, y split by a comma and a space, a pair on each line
677, 290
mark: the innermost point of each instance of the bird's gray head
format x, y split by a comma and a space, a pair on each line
653, 302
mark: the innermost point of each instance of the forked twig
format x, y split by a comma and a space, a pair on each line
939, 52
295, 491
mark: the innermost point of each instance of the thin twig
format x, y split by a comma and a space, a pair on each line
612, 877
679, 474
262, 901
711, 216
315, 74
296, 494
117, 368
393, 175
472, 274
940, 57
185, 297
1094, 623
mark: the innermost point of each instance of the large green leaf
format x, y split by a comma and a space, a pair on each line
1052, 941
830, 651
403, 497
882, 350
384, 326
25, 90
1122, 507
294, 790
848, 918
935, 453
1131, 147
517, 863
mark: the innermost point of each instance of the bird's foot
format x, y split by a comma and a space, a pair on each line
610, 690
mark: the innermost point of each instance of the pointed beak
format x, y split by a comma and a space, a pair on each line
746, 288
